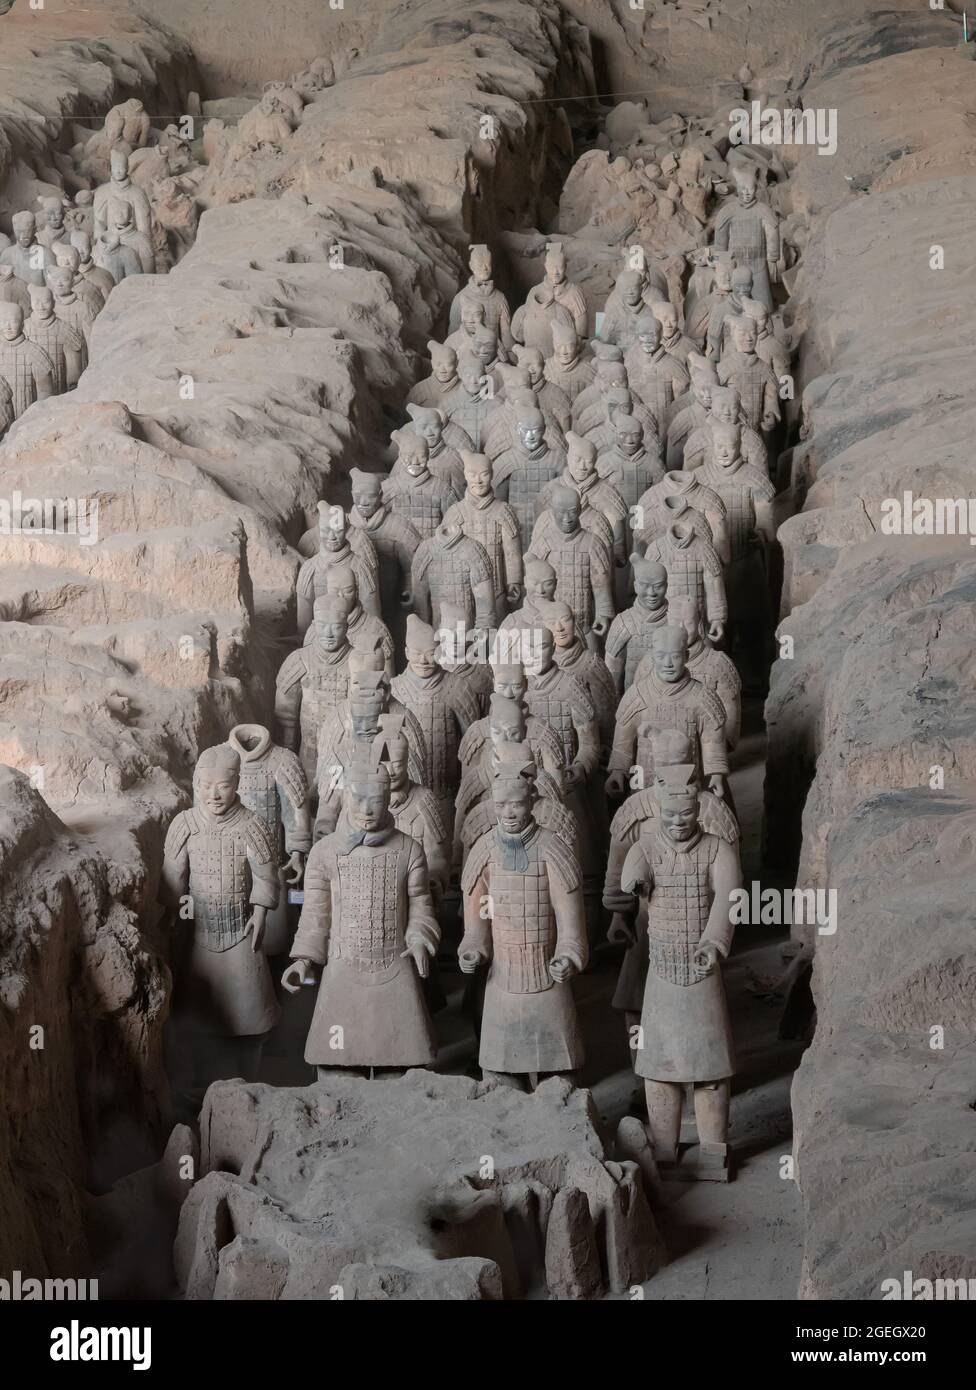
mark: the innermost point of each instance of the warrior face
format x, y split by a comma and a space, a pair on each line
668, 320
11, 321
540, 659
701, 388
555, 265
332, 531
443, 368
481, 266
42, 303
531, 436
566, 350
368, 498
431, 429
485, 348
534, 363
348, 592
503, 728
332, 635
365, 721
649, 337
566, 516
629, 438
472, 316
680, 818
670, 655
217, 789
24, 228
745, 191
414, 461
651, 586
632, 294
396, 766
510, 681
580, 464
54, 216
477, 475
563, 629
725, 446
513, 806
119, 162
744, 335
368, 807
541, 584
725, 406
422, 660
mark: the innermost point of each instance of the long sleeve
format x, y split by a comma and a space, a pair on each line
601, 579
288, 700
711, 732
296, 814
419, 587
512, 551
262, 860
716, 604
176, 864
726, 876
588, 744
315, 924
477, 919
567, 906
421, 921
484, 604
629, 712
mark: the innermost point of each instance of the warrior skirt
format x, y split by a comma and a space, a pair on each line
523, 1033
686, 1033
382, 1023
227, 993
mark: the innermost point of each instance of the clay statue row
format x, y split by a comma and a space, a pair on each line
513, 694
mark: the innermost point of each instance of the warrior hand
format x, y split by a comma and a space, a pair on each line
514, 594
768, 422
716, 630
255, 925
300, 972
420, 953
621, 933
600, 627
614, 785
470, 960
296, 864
573, 776
562, 968
406, 599
705, 958
716, 784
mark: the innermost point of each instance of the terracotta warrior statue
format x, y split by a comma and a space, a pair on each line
572, 655
63, 344
551, 399
686, 1037
414, 808
444, 439
749, 231
474, 405
673, 341
273, 785
598, 422
631, 463
517, 397
350, 731
567, 368
523, 913
452, 567
463, 652
26, 368
638, 817
511, 684
608, 370
631, 632
52, 226
581, 475
219, 881
120, 190
657, 377
716, 671
494, 525
621, 319
476, 807
527, 466
334, 552
694, 568
754, 380
583, 565
69, 258
472, 318
481, 287
682, 497
314, 680
668, 698
725, 408
533, 323
394, 539
77, 313
540, 583
413, 491
441, 706
569, 295
365, 632
368, 924
687, 418
13, 290
439, 390
28, 257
